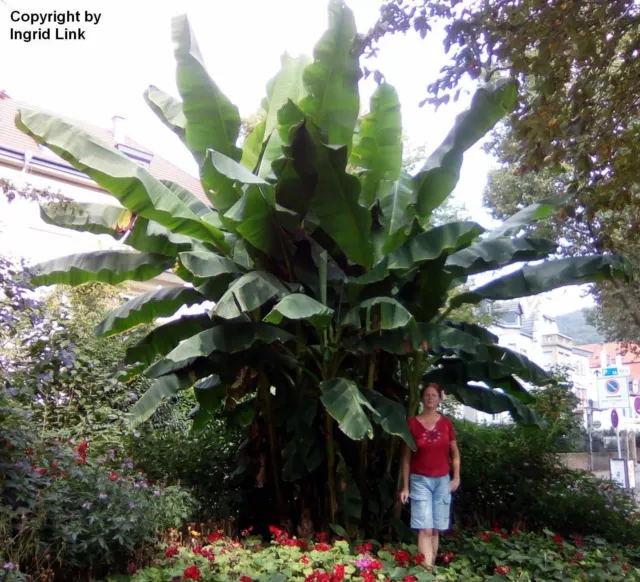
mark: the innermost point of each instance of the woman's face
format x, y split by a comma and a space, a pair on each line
430, 398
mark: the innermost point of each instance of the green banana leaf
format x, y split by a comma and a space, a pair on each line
134, 187
345, 402
333, 100
150, 237
161, 389
381, 313
397, 212
548, 276
147, 307
440, 173
213, 122
111, 267
432, 244
197, 267
495, 253
378, 149
83, 217
298, 306
166, 337
248, 293
168, 109
392, 416
225, 338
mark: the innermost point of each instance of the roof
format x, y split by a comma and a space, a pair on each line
527, 326
12, 138
613, 349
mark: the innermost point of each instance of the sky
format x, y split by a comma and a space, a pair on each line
241, 41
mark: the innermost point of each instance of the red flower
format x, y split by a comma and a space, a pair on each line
275, 530
502, 570
368, 576
625, 567
321, 547
245, 532
402, 556
113, 476
338, 573
418, 558
214, 537
131, 568
516, 532
408, 578
245, 579
191, 573
448, 557
43, 471
577, 540
580, 556
171, 552
558, 539
321, 536
484, 536
29, 452
363, 548
304, 560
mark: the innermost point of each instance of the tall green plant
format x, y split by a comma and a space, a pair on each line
331, 290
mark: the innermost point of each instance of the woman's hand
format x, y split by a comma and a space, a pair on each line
404, 495
455, 483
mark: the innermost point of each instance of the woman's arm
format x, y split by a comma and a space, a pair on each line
405, 466
455, 458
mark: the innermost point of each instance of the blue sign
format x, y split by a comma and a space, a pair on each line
612, 386
614, 418
610, 372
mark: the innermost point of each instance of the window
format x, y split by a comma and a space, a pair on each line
510, 318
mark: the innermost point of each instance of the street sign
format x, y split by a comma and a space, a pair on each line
613, 392
596, 424
614, 418
636, 405
615, 371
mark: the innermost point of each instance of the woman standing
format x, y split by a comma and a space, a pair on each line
426, 472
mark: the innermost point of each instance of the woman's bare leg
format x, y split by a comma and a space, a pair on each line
435, 542
425, 546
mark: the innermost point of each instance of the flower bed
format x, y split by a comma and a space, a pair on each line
493, 555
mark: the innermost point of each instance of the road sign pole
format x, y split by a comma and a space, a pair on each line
589, 421
618, 437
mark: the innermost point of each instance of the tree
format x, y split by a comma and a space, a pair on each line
331, 289
578, 126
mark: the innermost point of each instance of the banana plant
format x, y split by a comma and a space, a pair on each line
332, 294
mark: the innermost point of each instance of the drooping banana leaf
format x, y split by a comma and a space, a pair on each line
168, 109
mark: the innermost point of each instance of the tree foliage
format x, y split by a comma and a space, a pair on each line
332, 286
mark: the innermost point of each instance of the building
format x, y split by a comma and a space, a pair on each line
24, 162
525, 326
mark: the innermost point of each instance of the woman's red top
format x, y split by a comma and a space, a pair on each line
433, 457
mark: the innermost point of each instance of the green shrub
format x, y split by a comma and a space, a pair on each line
509, 476
63, 509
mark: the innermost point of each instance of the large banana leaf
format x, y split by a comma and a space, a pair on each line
333, 102
455, 377
163, 388
213, 122
197, 206
150, 237
134, 187
440, 173
336, 206
168, 109
286, 85
298, 306
548, 276
248, 293
432, 244
111, 267
532, 213
378, 149
494, 253
381, 313
200, 266
344, 401
391, 416
226, 338
85, 217
166, 337
520, 365
397, 212
147, 307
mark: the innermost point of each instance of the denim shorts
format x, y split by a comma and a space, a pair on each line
430, 502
